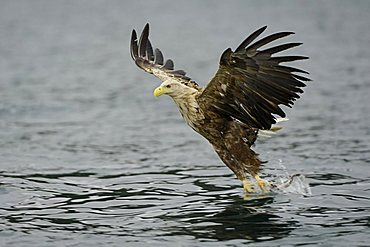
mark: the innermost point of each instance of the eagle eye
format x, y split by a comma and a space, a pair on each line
168, 86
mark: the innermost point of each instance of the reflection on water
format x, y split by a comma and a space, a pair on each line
238, 219
89, 158
206, 215
170, 204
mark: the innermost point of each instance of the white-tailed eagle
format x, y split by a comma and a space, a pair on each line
242, 98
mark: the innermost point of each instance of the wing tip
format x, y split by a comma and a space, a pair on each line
250, 38
152, 60
143, 41
133, 45
263, 28
146, 28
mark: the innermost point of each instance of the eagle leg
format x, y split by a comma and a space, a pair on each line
247, 185
263, 184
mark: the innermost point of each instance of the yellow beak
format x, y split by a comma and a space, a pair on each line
158, 91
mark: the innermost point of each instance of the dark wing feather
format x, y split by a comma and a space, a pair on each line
152, 61
250, 84
250, 39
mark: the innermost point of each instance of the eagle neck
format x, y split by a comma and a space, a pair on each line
189, 108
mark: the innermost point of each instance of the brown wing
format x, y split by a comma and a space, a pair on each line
152, 61
250, 83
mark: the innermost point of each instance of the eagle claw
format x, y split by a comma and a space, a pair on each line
248, 188
263, 184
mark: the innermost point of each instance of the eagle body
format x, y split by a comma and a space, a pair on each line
242, 98
230, 138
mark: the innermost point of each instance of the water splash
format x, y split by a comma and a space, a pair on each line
295, 184
288, 183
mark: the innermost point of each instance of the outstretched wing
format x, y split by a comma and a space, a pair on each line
152, 61
250, 83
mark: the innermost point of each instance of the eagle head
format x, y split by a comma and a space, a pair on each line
172, 88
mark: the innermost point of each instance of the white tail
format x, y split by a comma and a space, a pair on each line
274, 128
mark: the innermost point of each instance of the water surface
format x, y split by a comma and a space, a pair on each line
89, 157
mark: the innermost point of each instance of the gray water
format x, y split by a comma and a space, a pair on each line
88, 157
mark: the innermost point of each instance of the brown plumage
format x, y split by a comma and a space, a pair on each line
242, 98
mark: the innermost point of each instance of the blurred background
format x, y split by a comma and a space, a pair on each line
89, 156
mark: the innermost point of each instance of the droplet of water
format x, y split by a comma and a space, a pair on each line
295, 184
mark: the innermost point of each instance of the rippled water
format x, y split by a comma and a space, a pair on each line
89, 157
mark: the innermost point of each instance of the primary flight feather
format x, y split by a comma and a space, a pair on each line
242, 98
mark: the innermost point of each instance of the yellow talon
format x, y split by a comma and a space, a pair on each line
247, 186
263, 184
